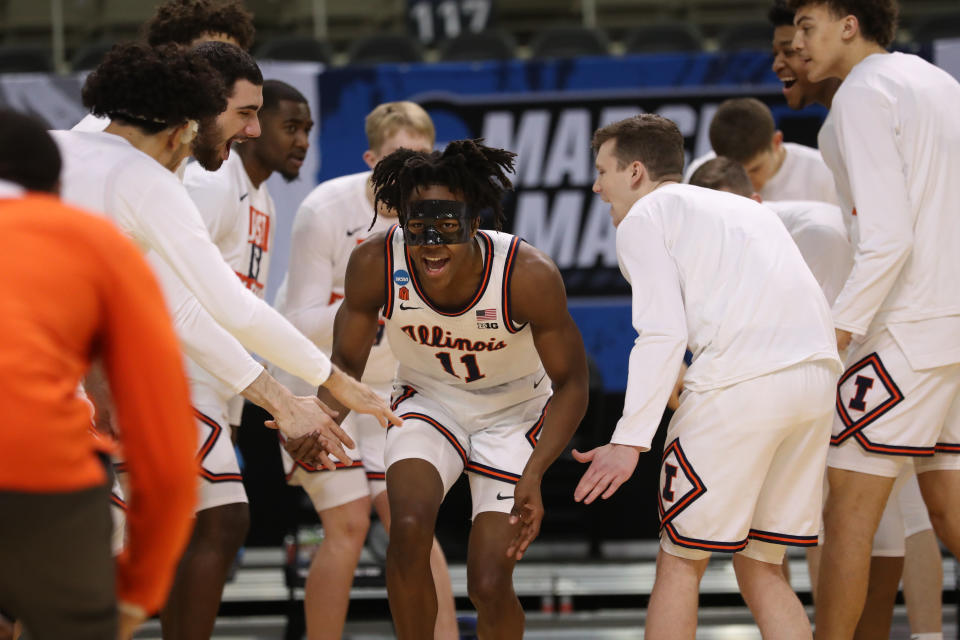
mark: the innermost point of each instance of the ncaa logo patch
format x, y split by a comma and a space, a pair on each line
679, 483
401, 277
864, 393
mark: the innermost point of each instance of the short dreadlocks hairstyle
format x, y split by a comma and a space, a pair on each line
154, 87
466, 167
183, 21
878, 18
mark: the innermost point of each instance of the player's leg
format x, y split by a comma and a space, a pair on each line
886, 566
923, 563
775, 607
885, 409
446, 627
788, 508
220, 528
341, 500
424, 458
939, 476
672, 612
490, 577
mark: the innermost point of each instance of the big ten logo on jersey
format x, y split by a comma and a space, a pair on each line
679, 483
865, 392
258, 239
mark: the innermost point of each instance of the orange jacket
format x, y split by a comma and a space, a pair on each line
76, 288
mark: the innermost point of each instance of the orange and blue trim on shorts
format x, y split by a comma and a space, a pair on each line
854, 428
492, 472
533, 434
309, 468
444, 431
207, 446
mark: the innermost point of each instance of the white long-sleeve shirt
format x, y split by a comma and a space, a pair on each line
332, 220
802, 176
892, 140
241, 219
716, 273
104, 172
819, 232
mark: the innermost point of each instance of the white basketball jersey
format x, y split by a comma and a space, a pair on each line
476, 348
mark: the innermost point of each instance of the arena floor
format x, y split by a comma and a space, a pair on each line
605, 599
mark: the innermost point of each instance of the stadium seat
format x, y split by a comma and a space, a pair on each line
294, 48
746, 36
90, 55
936, 27
385, 48
492, 44
25, 58
123, 19
663, 37
569, 42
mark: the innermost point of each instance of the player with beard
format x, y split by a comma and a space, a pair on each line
153, 98
239, 213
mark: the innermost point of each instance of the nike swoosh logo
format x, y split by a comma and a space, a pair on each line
350, 232
537, 383
243, 196
403, 308
500, 497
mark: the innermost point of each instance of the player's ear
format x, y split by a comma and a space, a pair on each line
849, 28
637, 170
777, 139
370, 158
474, 225
756, 197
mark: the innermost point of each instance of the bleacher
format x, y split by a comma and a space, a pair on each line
341, 32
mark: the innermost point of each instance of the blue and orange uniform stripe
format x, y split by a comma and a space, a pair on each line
444, 431
533, 434
507, 273
487, 268
388, 266
215, 431
492, 472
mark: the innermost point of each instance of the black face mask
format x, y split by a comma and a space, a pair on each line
432, 222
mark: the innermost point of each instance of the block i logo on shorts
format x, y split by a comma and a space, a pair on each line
864, 393
679, 483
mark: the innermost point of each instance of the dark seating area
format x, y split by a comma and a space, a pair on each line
369, 32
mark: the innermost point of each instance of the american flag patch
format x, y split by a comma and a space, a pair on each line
486, 314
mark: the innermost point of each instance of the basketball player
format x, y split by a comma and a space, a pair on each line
816, 227
743, 129
479, 325
332, 220
81, 290
239, 213
743, 465
122, 170
889, 139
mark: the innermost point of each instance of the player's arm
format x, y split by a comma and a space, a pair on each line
354, 331
868, 144
219, 353
309, 305
655, 360
183, 242
538, 297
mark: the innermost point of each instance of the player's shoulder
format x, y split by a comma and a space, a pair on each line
221, 182
803, 152
336, 192
529, 263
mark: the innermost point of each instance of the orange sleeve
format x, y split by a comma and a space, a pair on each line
142, 358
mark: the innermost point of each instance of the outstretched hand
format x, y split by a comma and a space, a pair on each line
610, 466
528, 512
308, 416
358, 397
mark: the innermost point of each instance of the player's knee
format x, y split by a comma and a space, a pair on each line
349, 532
225, 526
411, 531
486, 587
